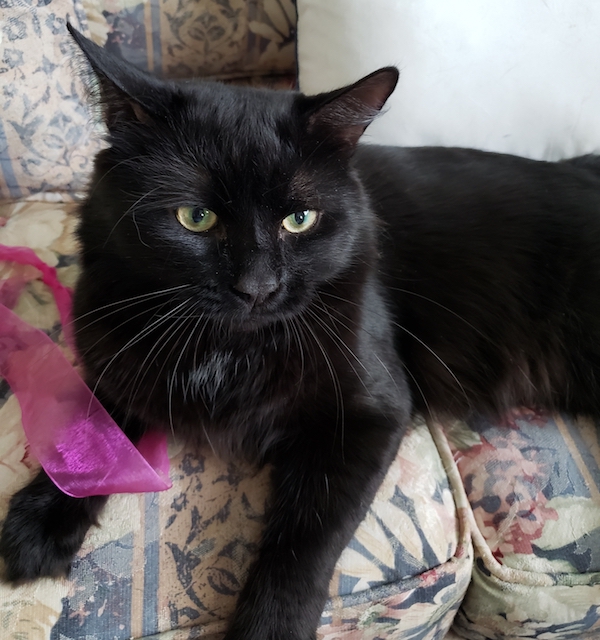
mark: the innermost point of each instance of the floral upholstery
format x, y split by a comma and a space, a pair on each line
187, 38
533, 483
46, 143
494, 526
46, 139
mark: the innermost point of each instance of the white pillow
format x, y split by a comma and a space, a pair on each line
516, 76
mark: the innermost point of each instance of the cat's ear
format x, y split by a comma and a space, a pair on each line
127, 94
344, 114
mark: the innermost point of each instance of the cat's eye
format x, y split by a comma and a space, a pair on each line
300, 221
196, 219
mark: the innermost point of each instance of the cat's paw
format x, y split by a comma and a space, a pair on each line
43, 530
256, 621
270, 634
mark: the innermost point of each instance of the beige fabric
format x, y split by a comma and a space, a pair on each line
189, 38
46, 140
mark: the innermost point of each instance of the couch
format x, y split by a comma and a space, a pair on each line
479, 530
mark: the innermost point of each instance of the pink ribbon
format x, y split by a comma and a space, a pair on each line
81, 448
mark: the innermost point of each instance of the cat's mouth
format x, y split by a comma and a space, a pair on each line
261, 308
254, 320
260, 317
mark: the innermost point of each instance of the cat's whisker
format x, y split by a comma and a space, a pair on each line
437, 357
132, 341
197, 346
421, 393
90, 348
169, 376
341, 346
293, 333
132, 301
210, 444
461, 387
158, 307
137, 228
445, 308
526, 376
286, 339
143, 369
132, 207
104, 316
413, 293
224, 185
162, 342
198, 391
335, 335
131, 161
327, 310
340, 409
421, 342
173, 375
391, 377
304, 342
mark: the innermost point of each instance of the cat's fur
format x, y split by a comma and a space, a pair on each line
470, 278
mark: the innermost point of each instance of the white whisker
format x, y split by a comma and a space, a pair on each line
340, 409
137, 338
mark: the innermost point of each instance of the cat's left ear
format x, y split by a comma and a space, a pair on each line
344, 114
127, 94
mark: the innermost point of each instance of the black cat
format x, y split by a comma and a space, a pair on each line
254, 280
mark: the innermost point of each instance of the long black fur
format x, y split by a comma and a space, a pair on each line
445, 280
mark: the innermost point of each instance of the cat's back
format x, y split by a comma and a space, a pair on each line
493, 266
490, 208
469, 184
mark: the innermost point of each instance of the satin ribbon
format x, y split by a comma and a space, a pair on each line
81, 448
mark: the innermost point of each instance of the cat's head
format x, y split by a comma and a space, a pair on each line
246, 195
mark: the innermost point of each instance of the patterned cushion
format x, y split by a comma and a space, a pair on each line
170, 564
533, 483
404, 573
187, 38
46, 142
47, 139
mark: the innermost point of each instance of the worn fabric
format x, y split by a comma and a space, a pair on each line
46, 141
533, 482
198, 38
49, 135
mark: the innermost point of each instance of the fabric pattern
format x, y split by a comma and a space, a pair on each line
533, 483
46, 141
199, 38
423, 572
170, 564
48, 137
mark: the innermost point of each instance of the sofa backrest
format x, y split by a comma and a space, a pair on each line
48, 137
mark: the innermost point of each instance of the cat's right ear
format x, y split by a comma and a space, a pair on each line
126, 93
341, 116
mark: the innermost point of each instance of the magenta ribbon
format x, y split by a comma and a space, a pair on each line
81, 448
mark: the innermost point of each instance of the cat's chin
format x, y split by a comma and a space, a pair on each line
258, 320
252, 322
246, 320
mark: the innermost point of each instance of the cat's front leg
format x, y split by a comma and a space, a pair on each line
323, 484
44, 529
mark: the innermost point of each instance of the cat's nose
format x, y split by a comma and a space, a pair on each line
256, 287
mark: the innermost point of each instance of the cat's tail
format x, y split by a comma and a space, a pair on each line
590, 161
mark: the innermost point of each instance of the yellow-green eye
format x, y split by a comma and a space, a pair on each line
196, 218
301, 221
